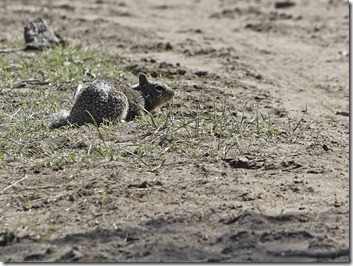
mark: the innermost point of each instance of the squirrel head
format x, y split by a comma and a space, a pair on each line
154, 93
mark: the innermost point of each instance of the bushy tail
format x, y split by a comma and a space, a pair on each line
60, 119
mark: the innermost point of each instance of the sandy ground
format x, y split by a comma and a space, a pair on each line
291, 206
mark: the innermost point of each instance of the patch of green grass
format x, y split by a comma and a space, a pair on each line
205, 129
28, 100
214, 133
61, 64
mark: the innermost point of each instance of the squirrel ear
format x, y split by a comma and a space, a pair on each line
142, 79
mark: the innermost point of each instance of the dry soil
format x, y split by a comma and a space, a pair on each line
291, 204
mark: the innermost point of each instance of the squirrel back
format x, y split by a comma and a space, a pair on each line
108, 99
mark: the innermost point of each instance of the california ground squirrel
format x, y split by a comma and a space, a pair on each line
108, 99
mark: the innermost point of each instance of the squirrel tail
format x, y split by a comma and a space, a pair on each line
60, 119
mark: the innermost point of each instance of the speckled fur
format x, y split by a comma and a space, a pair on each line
107, 99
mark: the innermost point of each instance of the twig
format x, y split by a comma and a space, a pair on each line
313, 254
158, 166
13, 115
14, 184
149, 188
4, 51
35, 81
35, 188
23, 83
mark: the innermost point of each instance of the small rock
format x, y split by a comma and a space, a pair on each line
325, 147
243, 162
284, 4
154, 74
6, 238
258, 76
201, 73
163, 65
38, 35
181, 71
168, 46
144, 184
343, 113
344, 53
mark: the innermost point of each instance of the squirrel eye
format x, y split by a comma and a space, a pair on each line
159, 89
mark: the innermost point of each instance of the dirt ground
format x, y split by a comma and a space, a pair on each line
285, 202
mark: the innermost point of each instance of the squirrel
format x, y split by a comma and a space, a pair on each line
108, 99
